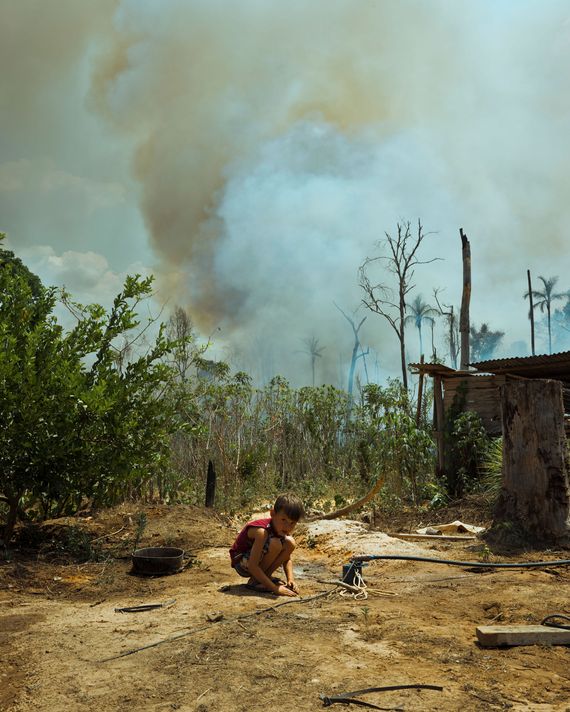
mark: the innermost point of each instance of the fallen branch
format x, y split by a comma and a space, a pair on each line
351, 507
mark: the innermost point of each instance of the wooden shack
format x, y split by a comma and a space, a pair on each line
478, 389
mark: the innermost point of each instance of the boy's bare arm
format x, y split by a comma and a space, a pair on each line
288, 571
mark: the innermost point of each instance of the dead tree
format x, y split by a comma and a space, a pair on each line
535, 493
465, 299
452, 325
355, 355
401, 261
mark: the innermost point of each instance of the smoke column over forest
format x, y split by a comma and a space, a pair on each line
274, 144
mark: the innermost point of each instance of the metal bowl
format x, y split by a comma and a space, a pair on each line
158, 560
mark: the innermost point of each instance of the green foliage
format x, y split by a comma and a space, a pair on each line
78, 544
140, 527
70, 430
467, 445
395, 446
491, 466
87, 414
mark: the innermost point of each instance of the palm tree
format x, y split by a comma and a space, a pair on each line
314, 351
544, 301
420, 312
483, 342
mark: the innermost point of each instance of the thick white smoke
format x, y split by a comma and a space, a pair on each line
274, 143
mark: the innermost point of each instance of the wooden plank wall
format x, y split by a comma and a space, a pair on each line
481, 395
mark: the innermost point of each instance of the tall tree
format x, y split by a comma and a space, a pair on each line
420, 312
73, 421
483, 342
544, 299
389, 302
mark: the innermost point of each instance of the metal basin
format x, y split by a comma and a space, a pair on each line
158, 560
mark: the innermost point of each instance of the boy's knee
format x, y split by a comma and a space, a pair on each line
289, 544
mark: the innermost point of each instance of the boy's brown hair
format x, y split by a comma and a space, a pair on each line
290, 505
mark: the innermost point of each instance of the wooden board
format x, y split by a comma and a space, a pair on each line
492, 636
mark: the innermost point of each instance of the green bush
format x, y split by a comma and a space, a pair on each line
466, 448
76, 421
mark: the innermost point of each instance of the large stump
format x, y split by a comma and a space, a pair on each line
535, 493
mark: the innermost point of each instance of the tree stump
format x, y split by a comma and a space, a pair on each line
535, 493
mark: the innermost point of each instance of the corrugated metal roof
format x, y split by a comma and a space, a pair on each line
430, 368
544, 365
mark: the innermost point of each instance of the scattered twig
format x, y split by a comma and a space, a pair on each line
106, 536
202, 695
97, 603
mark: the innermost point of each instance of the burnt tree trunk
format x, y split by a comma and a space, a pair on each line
531, 312
465, 300
439, 424
210, 485
535, 493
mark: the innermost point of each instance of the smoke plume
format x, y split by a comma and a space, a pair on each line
273, 144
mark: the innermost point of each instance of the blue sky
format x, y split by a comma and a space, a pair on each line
251, 154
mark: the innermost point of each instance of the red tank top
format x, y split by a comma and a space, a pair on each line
243, 543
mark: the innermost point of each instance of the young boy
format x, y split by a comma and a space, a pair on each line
265, 544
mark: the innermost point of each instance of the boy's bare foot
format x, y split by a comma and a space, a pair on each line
255, 585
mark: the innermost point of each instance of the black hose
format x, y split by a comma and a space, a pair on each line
479, 564
551, 621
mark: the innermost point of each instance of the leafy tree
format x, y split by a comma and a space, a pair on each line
484, 342
544, 299
420, 312
74, 423
37, 383
398, 450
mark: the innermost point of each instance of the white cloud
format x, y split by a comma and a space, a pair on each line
86, 275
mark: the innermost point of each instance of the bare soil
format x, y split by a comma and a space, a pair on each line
60, 634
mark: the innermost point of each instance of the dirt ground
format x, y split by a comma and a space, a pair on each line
60, 634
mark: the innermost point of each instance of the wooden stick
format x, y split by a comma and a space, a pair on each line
146, 607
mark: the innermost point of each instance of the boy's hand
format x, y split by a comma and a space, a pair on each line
292, 586
285, 591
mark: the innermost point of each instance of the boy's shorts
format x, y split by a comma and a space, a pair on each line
237, 563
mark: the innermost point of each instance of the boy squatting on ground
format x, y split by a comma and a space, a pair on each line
265, 544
